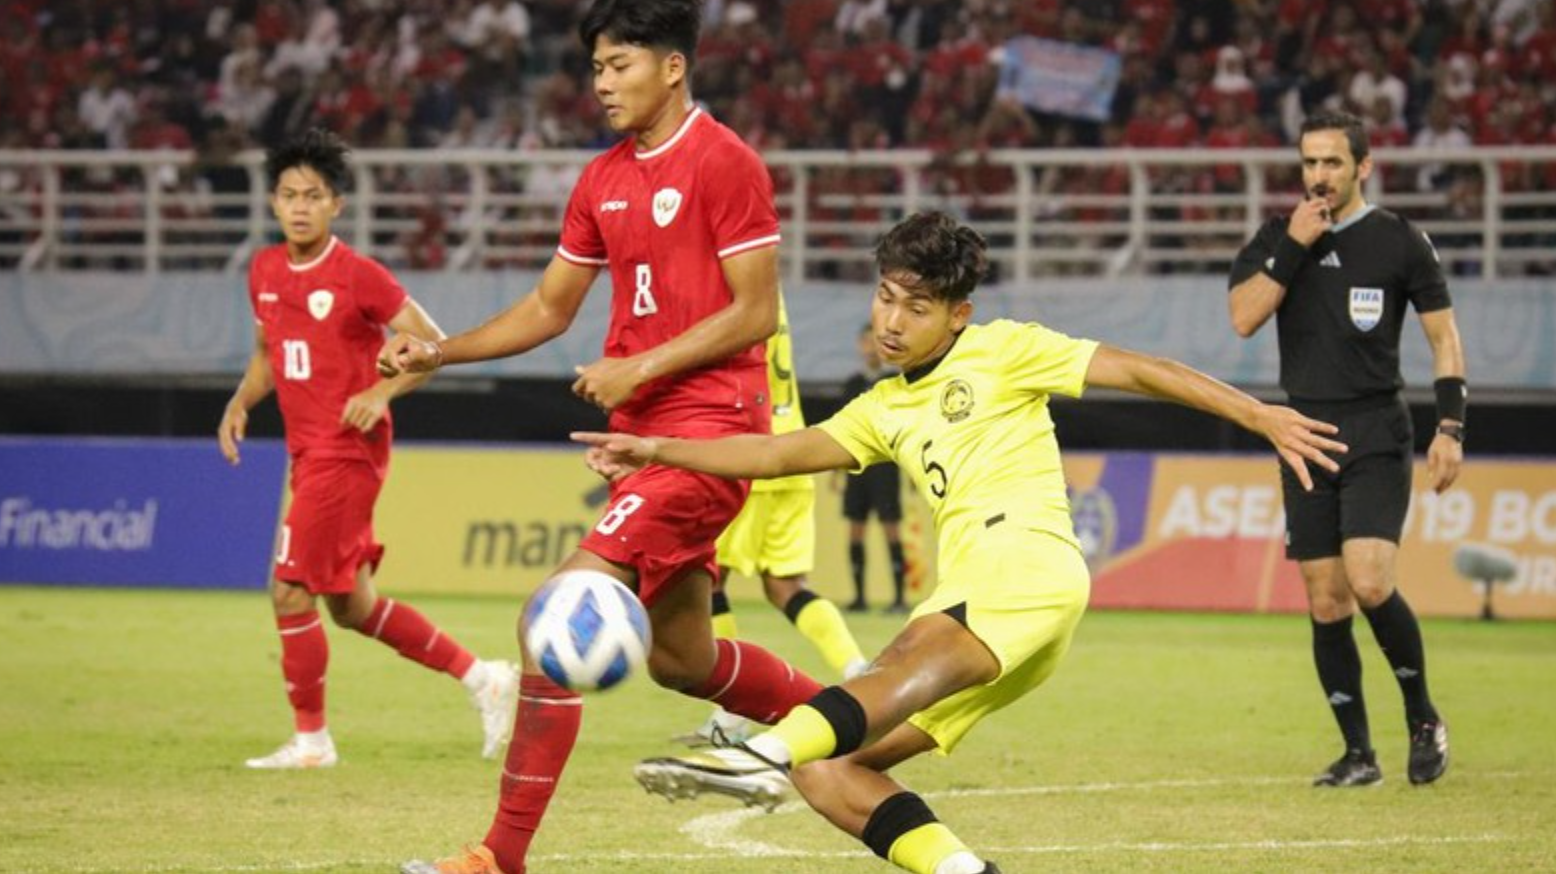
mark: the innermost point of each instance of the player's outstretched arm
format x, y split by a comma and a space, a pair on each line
257, 383
365, 409
541, 315
746, 456
1296, 438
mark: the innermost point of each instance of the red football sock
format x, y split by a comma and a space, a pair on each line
305, 653
409, 632
544, 729
754, 683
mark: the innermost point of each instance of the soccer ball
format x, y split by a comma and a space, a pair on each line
586, 631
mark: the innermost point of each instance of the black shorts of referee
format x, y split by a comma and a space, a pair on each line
1370, 494
876, 489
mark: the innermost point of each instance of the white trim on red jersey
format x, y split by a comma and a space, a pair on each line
299, 268
748, 245
579, 259
674, 138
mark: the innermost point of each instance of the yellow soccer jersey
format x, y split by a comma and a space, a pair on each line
974, 432
784, 387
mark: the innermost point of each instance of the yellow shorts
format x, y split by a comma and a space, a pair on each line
775, 532
1025, 592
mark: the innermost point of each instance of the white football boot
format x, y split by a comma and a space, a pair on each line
736, 730
495, 700
733, 772
311, 750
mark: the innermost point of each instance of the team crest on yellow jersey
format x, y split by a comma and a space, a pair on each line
956, 401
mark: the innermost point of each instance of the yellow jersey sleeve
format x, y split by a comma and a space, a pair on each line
1040, 359
856, 429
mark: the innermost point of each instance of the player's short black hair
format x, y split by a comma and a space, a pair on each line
943, 256
1332, 119
317, 149
656, 24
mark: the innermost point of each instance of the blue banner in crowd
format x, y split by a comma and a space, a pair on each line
138, 512
1059, 77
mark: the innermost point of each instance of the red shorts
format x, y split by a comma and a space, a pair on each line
328, 533
663, 521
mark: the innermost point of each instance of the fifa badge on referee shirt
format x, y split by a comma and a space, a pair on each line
1366, 307
319, 303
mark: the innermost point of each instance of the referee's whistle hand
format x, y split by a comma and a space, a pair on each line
1309, 221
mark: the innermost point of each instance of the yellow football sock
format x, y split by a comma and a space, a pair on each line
923, 849
807, 735
822, 624
724, 626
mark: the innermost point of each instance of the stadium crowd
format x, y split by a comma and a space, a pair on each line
222, 76
154, 74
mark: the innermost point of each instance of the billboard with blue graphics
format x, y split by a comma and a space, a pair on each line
138, 512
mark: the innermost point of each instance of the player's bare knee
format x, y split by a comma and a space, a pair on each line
780, 589
342, 614
669, 670
289, 599
1329, 605
813, 779
1371, 591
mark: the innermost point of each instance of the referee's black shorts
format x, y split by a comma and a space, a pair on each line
876, 489
1370, 494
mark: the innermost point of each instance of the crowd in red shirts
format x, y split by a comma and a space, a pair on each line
220, 75
794, 73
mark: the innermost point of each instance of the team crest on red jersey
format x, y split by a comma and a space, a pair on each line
667, 202
320, 302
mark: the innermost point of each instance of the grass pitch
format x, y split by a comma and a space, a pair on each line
1165, 743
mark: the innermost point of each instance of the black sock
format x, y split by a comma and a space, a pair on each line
856, 564
898, 570
893, 818
720, 603
1399, 636
1340, 673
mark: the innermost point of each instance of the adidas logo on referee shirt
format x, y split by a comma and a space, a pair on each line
1330, 260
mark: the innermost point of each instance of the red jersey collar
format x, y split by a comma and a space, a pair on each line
667, 145
299, 268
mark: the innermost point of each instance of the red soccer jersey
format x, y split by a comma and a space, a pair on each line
663, 221
324, 323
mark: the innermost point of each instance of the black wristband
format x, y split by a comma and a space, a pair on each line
1286, 262
1452, 395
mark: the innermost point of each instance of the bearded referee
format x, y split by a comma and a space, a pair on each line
1338, 275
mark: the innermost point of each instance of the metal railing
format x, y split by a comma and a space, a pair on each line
1490, 211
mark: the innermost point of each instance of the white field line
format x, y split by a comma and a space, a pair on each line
716, 833
760, 850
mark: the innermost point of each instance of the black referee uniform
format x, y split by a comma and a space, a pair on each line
1339, 328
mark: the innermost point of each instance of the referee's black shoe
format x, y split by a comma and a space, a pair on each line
990, 868
1428, 751
1355, 768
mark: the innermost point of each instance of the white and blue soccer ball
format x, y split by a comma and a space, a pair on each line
586, 631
